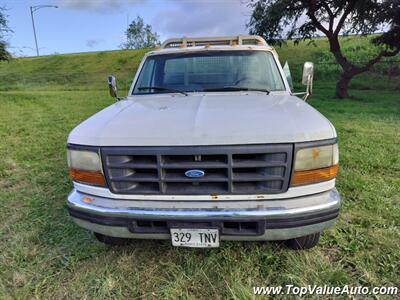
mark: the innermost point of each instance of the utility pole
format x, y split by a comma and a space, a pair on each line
34, 32
33, 9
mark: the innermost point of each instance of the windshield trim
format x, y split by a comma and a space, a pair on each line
153, 54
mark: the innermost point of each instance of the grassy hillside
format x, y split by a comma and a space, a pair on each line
84, 71
69, 71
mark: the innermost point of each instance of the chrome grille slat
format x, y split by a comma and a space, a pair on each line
249, 169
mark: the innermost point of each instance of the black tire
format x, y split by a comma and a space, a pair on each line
303, 242
110, 240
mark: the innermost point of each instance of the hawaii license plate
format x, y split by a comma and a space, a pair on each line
195, 237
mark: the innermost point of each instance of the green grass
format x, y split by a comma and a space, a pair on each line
44, 255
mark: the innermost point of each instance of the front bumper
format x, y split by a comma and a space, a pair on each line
271, 220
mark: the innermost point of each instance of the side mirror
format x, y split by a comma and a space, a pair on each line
307, 79
112, 86
308, 76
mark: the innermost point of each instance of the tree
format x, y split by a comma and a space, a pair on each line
140, 35
4, 29
277, 20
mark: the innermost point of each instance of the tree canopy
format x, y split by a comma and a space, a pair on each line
278, 20
4, 29
140, 35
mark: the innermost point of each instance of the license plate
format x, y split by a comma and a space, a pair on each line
195, 237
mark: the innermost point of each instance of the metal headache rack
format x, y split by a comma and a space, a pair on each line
254, 40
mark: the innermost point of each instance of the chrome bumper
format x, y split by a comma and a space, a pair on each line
275, 219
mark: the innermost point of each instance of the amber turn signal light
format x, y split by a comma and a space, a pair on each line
90, 177
314, 176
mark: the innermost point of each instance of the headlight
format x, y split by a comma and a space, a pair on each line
85, 166
315, 164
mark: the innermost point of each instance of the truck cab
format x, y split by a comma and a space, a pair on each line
210, 144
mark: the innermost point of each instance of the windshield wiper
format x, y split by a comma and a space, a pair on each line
161, 88
235, 88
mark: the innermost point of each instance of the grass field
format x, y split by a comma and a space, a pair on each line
44, 255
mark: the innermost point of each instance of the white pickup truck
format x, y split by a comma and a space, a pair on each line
209, 145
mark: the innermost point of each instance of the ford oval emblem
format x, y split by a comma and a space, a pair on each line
194, 173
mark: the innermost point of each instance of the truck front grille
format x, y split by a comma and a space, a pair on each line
250, 169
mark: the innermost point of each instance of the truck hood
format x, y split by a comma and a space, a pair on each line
204, 119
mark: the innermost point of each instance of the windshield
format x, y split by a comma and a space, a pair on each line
209, 71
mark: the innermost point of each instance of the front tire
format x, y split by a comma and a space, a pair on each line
111, 240
303, 242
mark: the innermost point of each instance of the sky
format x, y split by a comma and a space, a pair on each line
94, 25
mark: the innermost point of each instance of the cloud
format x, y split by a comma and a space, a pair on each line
98, 5
196, 18
91, 43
